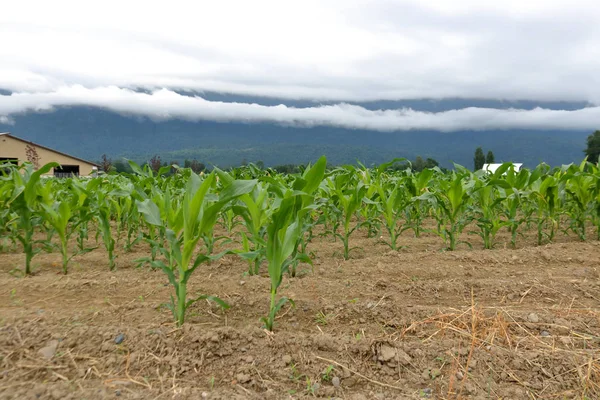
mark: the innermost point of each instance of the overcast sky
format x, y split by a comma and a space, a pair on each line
61, 52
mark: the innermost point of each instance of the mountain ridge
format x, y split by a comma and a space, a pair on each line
89, 132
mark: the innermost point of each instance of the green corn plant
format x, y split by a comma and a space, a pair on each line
134, 235
545, 199
25, 202
184, 225
580, 187
595, 172
513, 189
123, 208
346, 195
486, 210
285, 229
8, 217
228, 220
61, 215
331, 216
451, 198
311, 220
393, 200
102, 208
416, 184
83, 210
103, 217
211, 241
169, 202
255, 210
369, 212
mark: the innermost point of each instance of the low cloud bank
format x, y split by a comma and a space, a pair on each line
165, 104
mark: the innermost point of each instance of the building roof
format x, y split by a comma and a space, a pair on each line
48, 148
493, 167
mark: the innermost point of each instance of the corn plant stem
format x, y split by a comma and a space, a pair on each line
181, 298
65, 256
271, 313
27, 240
256, 266
28, 251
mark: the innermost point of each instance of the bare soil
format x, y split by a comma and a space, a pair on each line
418, 323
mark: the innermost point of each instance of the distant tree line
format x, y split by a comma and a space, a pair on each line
480, 159
106, 164
592, 151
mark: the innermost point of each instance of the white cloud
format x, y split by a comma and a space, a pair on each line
6, 120
313, 49
165, 104
68, 52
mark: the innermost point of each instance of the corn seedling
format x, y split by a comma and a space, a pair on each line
25, 201
184, 225
285, 229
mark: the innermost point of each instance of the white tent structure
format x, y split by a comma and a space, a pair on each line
491, 168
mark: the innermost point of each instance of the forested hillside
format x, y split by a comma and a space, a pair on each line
90, 132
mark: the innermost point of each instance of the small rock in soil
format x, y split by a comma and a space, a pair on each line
544, 333
387, 353
425, 373
249, 359
286, 359
335, 381
315, 387
533, 318
49, 351
459, 376
351, 381
119, 339
242, 283
243, 378
204, 395
117, 393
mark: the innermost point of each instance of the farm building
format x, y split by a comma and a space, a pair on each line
17, 151
491, 168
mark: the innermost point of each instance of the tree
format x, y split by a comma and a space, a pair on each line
431, 163
479, 159
593, 147
197, 166
106, 163
155, 163
32, 156
419, 164
489, 159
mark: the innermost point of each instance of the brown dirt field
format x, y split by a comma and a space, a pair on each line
419, 323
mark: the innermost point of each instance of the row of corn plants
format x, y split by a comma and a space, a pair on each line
271, 218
